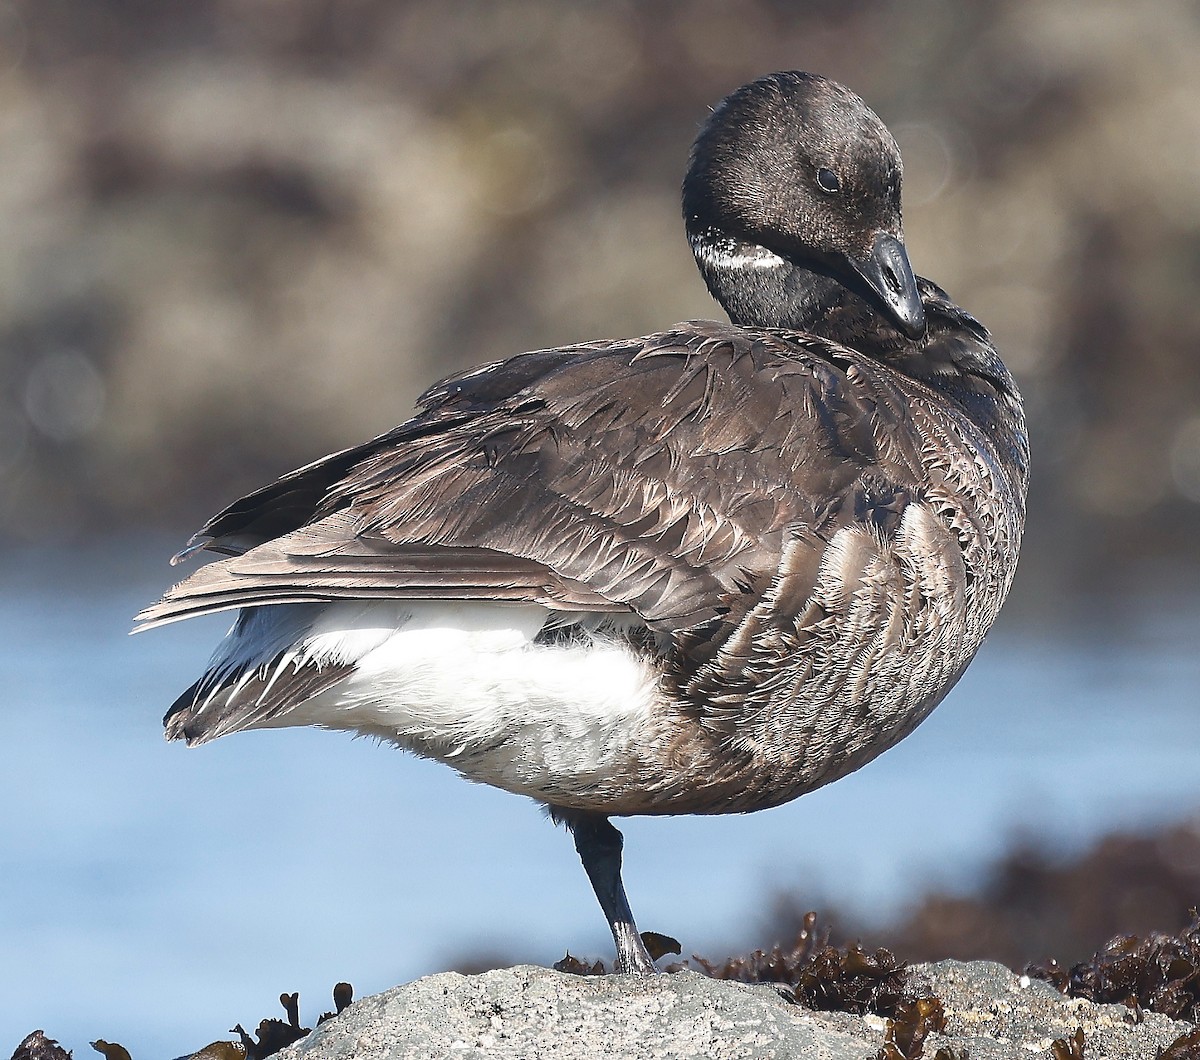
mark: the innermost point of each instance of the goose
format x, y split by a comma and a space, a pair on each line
702, 571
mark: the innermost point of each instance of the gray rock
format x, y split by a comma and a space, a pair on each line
525, 1012
997, 1015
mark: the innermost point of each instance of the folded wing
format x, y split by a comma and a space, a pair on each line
658, 476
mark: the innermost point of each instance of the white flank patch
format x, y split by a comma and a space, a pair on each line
465, 682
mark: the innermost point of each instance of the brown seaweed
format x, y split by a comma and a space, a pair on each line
1158, 972
906, 1032
1070, 1048
1185, 1047
37, 1046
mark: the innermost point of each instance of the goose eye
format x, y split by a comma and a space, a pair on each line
828, 181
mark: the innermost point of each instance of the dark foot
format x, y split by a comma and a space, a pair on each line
599, 845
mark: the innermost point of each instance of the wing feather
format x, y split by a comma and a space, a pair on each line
658, 475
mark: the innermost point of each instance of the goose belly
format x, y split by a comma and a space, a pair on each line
470, 684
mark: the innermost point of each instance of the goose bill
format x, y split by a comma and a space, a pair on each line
888, 274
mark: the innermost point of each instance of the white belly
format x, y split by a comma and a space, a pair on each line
467, 683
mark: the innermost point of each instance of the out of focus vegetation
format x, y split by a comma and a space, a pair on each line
235, 234
1035, 904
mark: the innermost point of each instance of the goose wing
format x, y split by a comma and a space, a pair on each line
658, 475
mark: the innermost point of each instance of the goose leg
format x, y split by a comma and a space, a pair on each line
599, 845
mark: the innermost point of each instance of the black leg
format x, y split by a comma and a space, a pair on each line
599, 845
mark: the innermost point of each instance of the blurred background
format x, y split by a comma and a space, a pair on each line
238, 234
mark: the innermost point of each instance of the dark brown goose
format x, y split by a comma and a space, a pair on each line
703, 571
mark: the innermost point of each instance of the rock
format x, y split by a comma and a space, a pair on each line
527, 1012
996, 1015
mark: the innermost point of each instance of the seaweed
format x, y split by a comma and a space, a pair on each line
343, 995
272, 1034
906, 1032
831, 979
275, 1035
820, 976
844, 979
37, 1046
1068, 1048
1185, 1047
656, 945
574, 966
660, 945
1158, 972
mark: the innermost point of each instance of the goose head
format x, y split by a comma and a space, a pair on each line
792, 198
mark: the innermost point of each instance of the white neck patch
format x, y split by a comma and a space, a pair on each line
720, 251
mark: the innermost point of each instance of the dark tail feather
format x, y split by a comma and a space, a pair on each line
175, 720
208, 710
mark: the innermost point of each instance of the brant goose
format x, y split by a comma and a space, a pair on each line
703, 571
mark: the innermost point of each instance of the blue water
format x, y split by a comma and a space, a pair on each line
154, 896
